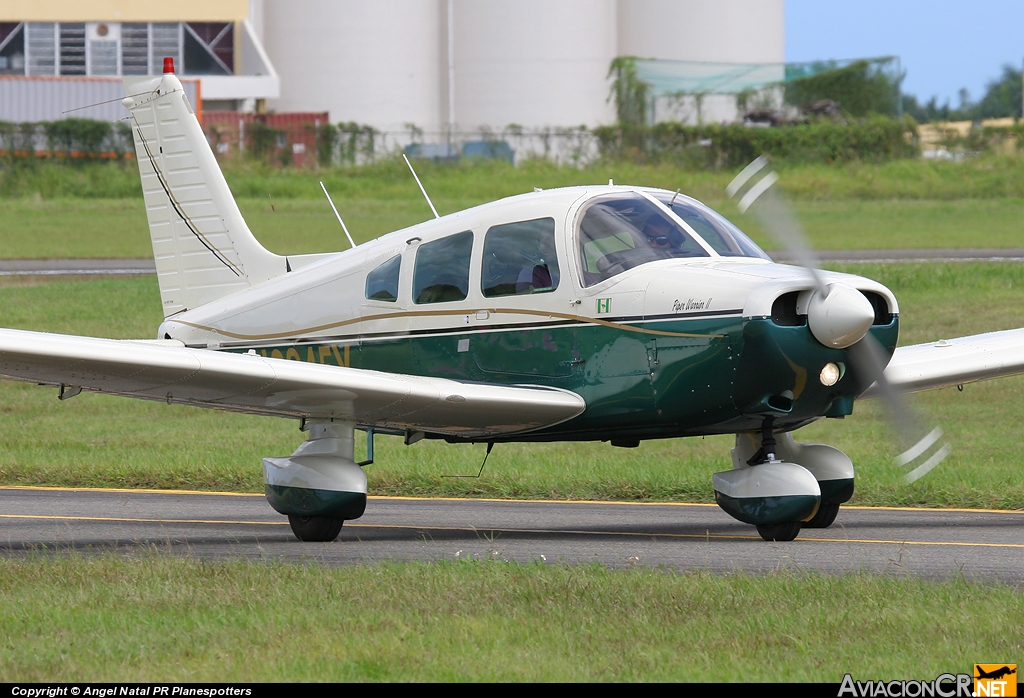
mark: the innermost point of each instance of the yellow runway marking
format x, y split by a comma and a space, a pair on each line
625, 534
43, 488
55, 517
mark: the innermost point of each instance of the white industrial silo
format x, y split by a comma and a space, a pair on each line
727, 31
724, 32
535, 63
376, 63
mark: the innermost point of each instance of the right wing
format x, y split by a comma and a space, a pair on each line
954, 361
170, 372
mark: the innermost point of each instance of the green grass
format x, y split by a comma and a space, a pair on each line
108, 619
116, 228
985, 177
97, 211
95, 440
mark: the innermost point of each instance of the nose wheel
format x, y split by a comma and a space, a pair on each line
827, 513
781, 532
315, 529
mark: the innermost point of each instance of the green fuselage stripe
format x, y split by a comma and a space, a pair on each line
667, 377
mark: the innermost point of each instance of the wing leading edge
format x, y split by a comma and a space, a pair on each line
954, 361
257, 385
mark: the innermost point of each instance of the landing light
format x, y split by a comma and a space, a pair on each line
830, 374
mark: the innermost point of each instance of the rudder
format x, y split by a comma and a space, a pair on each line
202, 246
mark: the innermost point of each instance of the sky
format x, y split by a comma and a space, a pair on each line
944, 45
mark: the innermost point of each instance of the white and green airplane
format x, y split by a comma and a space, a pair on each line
611, 313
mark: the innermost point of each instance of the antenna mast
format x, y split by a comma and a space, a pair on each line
429, 202
343, 227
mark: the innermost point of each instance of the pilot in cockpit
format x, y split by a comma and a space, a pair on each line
660, 234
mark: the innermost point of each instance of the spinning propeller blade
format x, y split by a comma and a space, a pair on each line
923, 449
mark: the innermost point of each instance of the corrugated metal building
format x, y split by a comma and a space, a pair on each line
48, 47
51, 98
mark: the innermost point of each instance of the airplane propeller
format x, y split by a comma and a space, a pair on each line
839, 316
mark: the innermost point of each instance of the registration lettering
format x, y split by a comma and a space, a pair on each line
328, 354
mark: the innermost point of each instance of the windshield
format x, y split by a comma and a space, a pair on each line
724, 237
622, 231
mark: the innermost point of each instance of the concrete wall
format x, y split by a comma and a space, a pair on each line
123, 10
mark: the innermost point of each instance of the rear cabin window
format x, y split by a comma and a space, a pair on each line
382, 282
622, 231
519, 259
441, 274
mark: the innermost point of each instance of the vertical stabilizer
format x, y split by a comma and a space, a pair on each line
203, 248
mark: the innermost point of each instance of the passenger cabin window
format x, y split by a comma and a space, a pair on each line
441, 274
622, 231
519, 259
724, 237
382, 282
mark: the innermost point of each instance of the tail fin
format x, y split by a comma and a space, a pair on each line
203, 248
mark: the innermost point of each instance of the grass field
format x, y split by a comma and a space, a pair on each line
59, 212
108, 619
157, 618
102, 228
105, 441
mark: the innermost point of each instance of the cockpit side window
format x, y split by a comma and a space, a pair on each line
382, 282
519, 258
724, 237
441, 274
622, 231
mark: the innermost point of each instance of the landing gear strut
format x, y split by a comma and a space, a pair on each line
319, 486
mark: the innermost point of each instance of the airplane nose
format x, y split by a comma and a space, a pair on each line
841, 318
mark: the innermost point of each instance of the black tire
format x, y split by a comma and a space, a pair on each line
824, 517
315, 529
781, 532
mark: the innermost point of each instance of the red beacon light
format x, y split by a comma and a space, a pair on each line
168, 65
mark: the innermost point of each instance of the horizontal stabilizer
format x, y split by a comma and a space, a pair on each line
252, 384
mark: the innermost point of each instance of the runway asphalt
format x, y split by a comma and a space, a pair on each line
927, 543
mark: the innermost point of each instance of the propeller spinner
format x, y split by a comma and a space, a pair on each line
838, 315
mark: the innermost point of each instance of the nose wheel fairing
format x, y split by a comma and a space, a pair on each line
802, 484
767, 494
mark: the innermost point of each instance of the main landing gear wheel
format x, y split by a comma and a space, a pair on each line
825, 516
781, 532
315, 529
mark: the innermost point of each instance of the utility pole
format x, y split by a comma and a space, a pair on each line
451, 75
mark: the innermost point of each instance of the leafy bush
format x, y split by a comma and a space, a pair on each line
83, 139
719, 146
861, 88
261, 139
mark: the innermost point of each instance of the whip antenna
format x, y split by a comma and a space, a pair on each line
421, 186
343, 227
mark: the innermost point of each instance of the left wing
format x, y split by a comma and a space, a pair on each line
170, 372
954, 362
